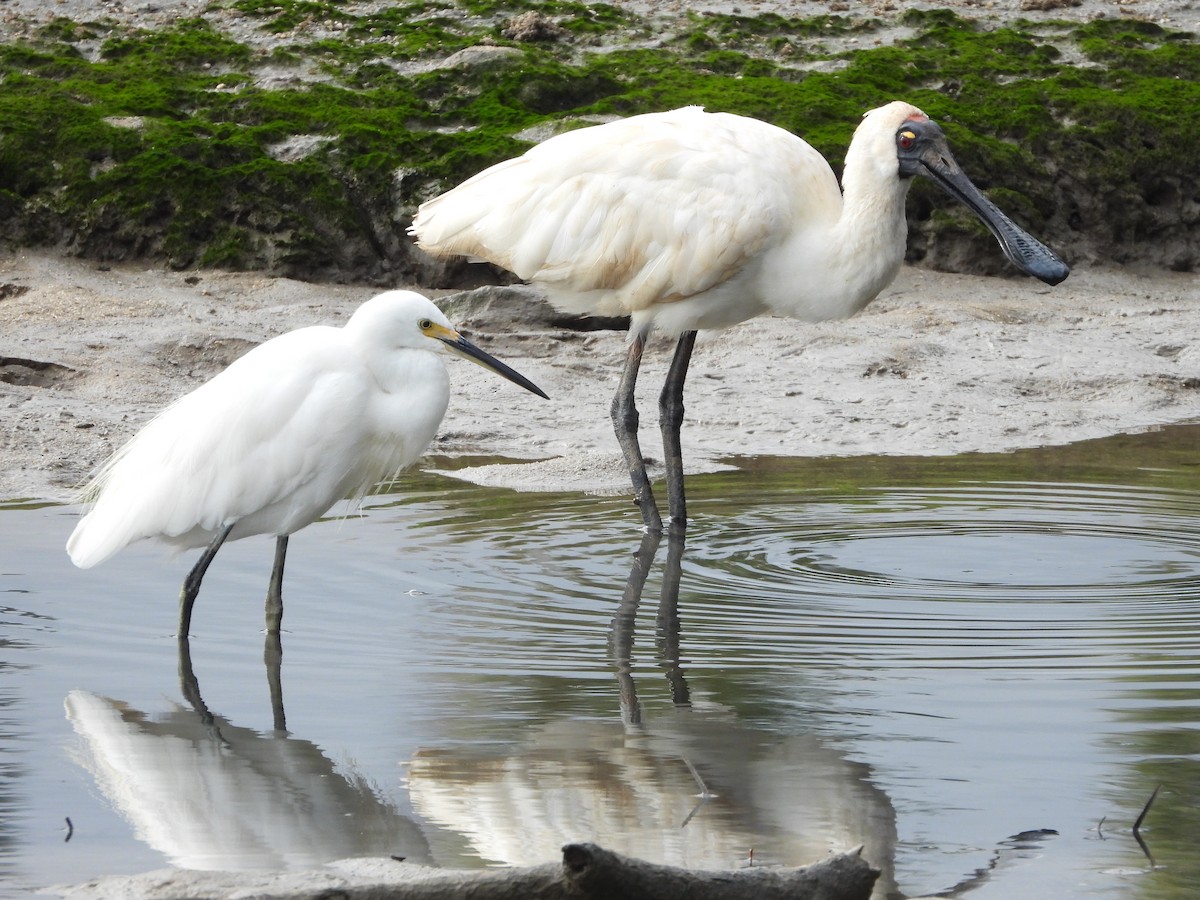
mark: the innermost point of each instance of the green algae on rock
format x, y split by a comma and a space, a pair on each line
301, 143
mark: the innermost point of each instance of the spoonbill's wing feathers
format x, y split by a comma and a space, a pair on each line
645, 210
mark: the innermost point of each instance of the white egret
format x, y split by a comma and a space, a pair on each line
688, 219
273, 441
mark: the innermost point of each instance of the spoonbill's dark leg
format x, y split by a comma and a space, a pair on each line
670, 420
668, 625
625, 423
275, 589
620, 638
191, 584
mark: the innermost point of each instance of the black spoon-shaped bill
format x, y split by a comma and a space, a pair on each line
923, 150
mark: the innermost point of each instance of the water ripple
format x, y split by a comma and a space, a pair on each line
1039, 542
982, 575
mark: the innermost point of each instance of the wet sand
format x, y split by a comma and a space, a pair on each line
939, 364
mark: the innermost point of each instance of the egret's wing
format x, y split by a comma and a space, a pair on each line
281, 423
646, 210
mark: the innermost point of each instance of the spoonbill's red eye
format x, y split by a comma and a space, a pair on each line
905, 139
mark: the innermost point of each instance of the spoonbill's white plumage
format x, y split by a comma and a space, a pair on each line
273, 441
688, 219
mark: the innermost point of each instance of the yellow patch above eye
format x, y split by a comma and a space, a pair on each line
908, 134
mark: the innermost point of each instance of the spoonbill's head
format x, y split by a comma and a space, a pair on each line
921, 149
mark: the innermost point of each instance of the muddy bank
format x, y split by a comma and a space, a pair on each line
286, 139
939, 364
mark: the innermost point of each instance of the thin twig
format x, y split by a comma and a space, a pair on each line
70, 830
695, 809
1145, 809
1138, 824
704, 795
699, 781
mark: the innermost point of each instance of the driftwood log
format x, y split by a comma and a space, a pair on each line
586, 872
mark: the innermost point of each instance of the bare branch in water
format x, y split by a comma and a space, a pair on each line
1145, 809
1137, 825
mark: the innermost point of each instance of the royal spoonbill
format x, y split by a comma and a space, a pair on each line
689, 219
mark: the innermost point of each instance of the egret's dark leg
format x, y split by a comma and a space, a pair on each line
670, 412
625, 423
275, 589
273, 658
188, 683
273, 647
191, 584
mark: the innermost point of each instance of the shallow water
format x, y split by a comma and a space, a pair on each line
928, 656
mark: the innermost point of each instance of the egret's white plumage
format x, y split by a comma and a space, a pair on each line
689, 219
273, 441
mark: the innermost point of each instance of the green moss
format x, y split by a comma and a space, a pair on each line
425, 23
190, 44
228, 248
931, 19
198, 181
285, 16
67, 30
738, 30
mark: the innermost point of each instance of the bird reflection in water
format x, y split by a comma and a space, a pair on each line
667, 629
691, 786
829, 792
209, 794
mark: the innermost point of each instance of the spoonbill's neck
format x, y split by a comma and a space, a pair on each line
833, 268
871, 234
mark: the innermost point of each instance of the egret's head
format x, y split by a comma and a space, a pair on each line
405, 319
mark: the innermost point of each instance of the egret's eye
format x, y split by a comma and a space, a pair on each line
905, 139
425, 324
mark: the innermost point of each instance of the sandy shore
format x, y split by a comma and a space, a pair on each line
939, 364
